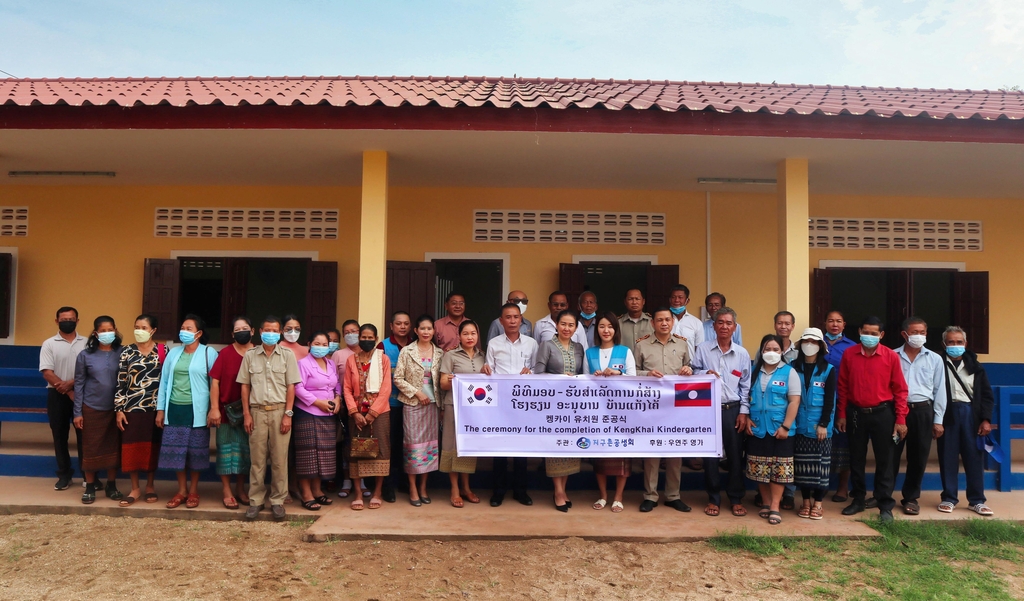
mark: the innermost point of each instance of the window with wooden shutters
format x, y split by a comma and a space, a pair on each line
160, 294
6, 293
321, 295
970, 307
571, 282
410, 287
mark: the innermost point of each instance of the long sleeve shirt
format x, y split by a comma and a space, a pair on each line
732, 367
96, 380
868, 381
925, 380
316, 385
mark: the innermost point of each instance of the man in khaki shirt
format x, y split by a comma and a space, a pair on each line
662, 354
268, 376
634, 323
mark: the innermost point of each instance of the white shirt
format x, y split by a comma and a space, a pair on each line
606, 357
545, 329
690, 328
957, 391
59, 355
508, 357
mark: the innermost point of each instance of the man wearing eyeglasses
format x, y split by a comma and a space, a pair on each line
519, 298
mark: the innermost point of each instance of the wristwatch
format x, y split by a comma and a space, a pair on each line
289, 413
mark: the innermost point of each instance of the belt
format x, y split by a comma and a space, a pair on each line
271, 407
883, 405
730, 405
921, 405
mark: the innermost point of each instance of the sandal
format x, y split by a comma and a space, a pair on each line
712, 510
192, 501
805, 511
946, 507
457, 502
151, 497
838, 498
230, 503
357, 505
311, 505
125, 502
88, 498
323, 500
600, 504
175, 501
817, 512
112, 493
739, 510
617, 507
911, 508
981, 509
764, 512
774, 518
375, 503
469, 496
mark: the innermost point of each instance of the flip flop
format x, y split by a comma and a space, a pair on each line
457, 502
125, 502
617, 507
739, 510
230, 503
471, 497
375, 503
151, 497
600, 504
357, 505
712, 510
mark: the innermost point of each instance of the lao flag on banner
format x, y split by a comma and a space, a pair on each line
697, 394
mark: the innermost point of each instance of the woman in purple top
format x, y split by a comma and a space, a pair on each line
317, 401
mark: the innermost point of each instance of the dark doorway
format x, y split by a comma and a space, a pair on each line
610, 281
479, 281
276, 287
202, 286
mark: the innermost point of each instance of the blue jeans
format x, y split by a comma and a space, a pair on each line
959, 441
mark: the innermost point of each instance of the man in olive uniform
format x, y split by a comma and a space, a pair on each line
634, 323
662, 354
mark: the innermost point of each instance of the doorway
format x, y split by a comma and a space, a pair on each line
477, 280
610, 281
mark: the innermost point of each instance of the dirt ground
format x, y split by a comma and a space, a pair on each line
94, 557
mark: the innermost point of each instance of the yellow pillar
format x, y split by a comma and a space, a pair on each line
373, 238
794, 251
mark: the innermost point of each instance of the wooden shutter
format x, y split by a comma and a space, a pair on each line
160, 293
821, 297
321, 295
571, 282
410, 287
970, 307
660, 280
233, 296
897, 305
6, 290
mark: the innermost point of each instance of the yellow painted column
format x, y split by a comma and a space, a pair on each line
794, 251
373, 238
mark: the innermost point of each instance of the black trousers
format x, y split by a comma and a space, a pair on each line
501, 480
875, 427
918, 443
959, 441
732, 444
60, 409
396, 477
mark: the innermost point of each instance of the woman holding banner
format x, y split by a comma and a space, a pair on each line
609, 358
561, 355
466, 359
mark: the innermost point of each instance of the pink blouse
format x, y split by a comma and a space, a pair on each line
316, 384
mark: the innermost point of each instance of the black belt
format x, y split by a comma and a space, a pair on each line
730, 405
921, 405
878, 407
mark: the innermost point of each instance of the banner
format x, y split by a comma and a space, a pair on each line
587, 416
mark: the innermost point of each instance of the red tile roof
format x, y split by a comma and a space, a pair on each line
504, 92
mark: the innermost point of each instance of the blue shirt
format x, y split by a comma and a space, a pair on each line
732, 367
709, 332
925, 379
836, 349
391, 349
199, 381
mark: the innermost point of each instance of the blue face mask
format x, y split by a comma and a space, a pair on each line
186, 337
833, 337
270, 338
588, 315
106, 337
869, 341
332, 346
319, 351
955, 351
677, 310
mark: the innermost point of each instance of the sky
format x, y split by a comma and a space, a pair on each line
977, 44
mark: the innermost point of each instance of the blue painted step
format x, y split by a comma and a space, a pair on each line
20, 397
21, 376
19, 356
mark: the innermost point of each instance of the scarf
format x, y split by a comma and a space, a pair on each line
376, 373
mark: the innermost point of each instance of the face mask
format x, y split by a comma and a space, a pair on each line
292, 336
588, 316
522, 307
771, 357
677, 310
242, 337
106, 337
67, 326
833, 337
869, 341
810, 349
142, 336
367, 345
955, 351
270, 338
331, 347
351, 339
916, 341
319, 351
186, 337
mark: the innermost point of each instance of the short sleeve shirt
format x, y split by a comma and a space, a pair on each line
459, 362
225, 370
59, 355
269, 375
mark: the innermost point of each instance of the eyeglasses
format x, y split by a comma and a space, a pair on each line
519, 300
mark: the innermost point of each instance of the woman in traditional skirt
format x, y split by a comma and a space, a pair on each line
183, 410
561, 355
467, 359
138, 382
774, 401
317, 401
610, 358
95, 384
812, 452
417, 377
227, 416
367, 389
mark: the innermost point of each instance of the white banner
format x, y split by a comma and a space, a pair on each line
587, 416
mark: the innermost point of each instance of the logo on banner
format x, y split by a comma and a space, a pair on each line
696, 394
480, 395
583, 443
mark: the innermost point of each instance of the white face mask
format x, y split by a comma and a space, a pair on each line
522, 308
917, 340
771, 357
352, 339
292, 336
810, 349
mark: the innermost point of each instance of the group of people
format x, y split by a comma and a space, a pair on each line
331, 405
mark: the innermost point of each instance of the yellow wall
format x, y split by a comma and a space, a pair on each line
87, 244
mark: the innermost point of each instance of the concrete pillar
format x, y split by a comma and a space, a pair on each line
794, 251
373, 238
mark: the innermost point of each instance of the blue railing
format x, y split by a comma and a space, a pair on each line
1009, 418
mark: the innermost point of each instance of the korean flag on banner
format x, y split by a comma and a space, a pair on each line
480, 395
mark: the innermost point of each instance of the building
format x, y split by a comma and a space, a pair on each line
344, 197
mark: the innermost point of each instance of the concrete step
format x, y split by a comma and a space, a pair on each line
21, 376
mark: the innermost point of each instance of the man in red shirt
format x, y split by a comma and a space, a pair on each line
873, 394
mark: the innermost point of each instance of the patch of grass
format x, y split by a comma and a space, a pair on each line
301, 522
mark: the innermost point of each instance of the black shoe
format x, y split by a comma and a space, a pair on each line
525, 499
63, 483
678, 505
415, 502
388, 495
497, 498
854, 508
647, 506
871, 503
564, 507
885, 516
788, 502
